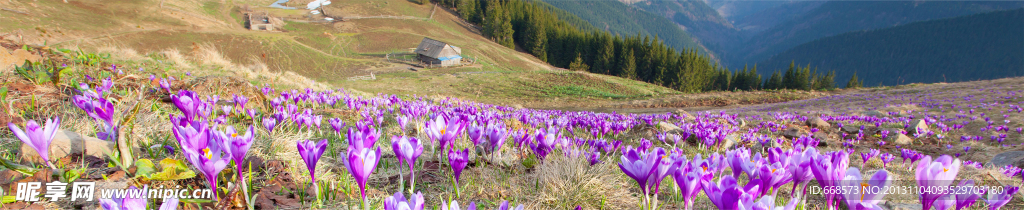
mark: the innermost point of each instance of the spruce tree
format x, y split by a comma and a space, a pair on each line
628, 65
606, 53
789, 80
537, 37
853, 83
578, 65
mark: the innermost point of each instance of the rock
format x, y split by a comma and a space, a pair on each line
917, 125
23, 205
851, 129
8, 175
820, 136
793, 132
874, 113
683, 114
10, 59
901, 206
1015, 158
900, 139
66, 143
668, 127
730, 141
742, 123
817, 122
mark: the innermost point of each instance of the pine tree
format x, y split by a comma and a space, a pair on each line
628, 65
755, 79
606, 52
499, 25
789, 80
467, 9
537, 37
578, 65
854, 83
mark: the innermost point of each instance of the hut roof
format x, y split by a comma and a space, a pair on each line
437, 49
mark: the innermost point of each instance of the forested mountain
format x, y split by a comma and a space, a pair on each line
542, 30
836, 17
760, 20
732, 9
619, 18
699, 20
981, 46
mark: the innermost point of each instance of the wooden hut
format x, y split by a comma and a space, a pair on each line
433, 52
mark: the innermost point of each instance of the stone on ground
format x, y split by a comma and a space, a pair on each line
66, 143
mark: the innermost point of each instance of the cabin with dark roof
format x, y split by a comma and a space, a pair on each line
432, 52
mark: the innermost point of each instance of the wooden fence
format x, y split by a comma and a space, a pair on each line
367, 77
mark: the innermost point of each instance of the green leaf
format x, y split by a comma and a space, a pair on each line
71, 175
171, 169
7, 199
3, 93
195, 200
19, 168
144, 168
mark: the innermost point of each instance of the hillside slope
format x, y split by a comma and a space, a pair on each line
975, 47
213, 35
836, 17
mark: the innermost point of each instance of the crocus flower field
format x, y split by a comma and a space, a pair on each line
907, 147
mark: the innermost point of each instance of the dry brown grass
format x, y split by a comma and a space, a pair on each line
568, 182
175, 56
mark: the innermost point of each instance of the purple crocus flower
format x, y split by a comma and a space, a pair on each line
37, 137
362, 137
188, 102
495, 136
402, 120
211, 161
336, 124
129, 202
310, 151
640, 166
665, 167
455, 205
475, 132
269, 123
398, 202
361, 162
772, 176
828, 169
800, 169
504, 206
238, 146
965, 200
445, 130
938, 173
886, 159
458, 161
407, 149
865, 197
997, 200
728, 195
545, 142
240, 101
594, 157
688, 178
740, 162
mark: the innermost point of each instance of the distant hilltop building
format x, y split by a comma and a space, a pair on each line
261, 21
433, 52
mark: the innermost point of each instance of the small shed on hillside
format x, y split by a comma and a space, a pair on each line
433, 52
261, 21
